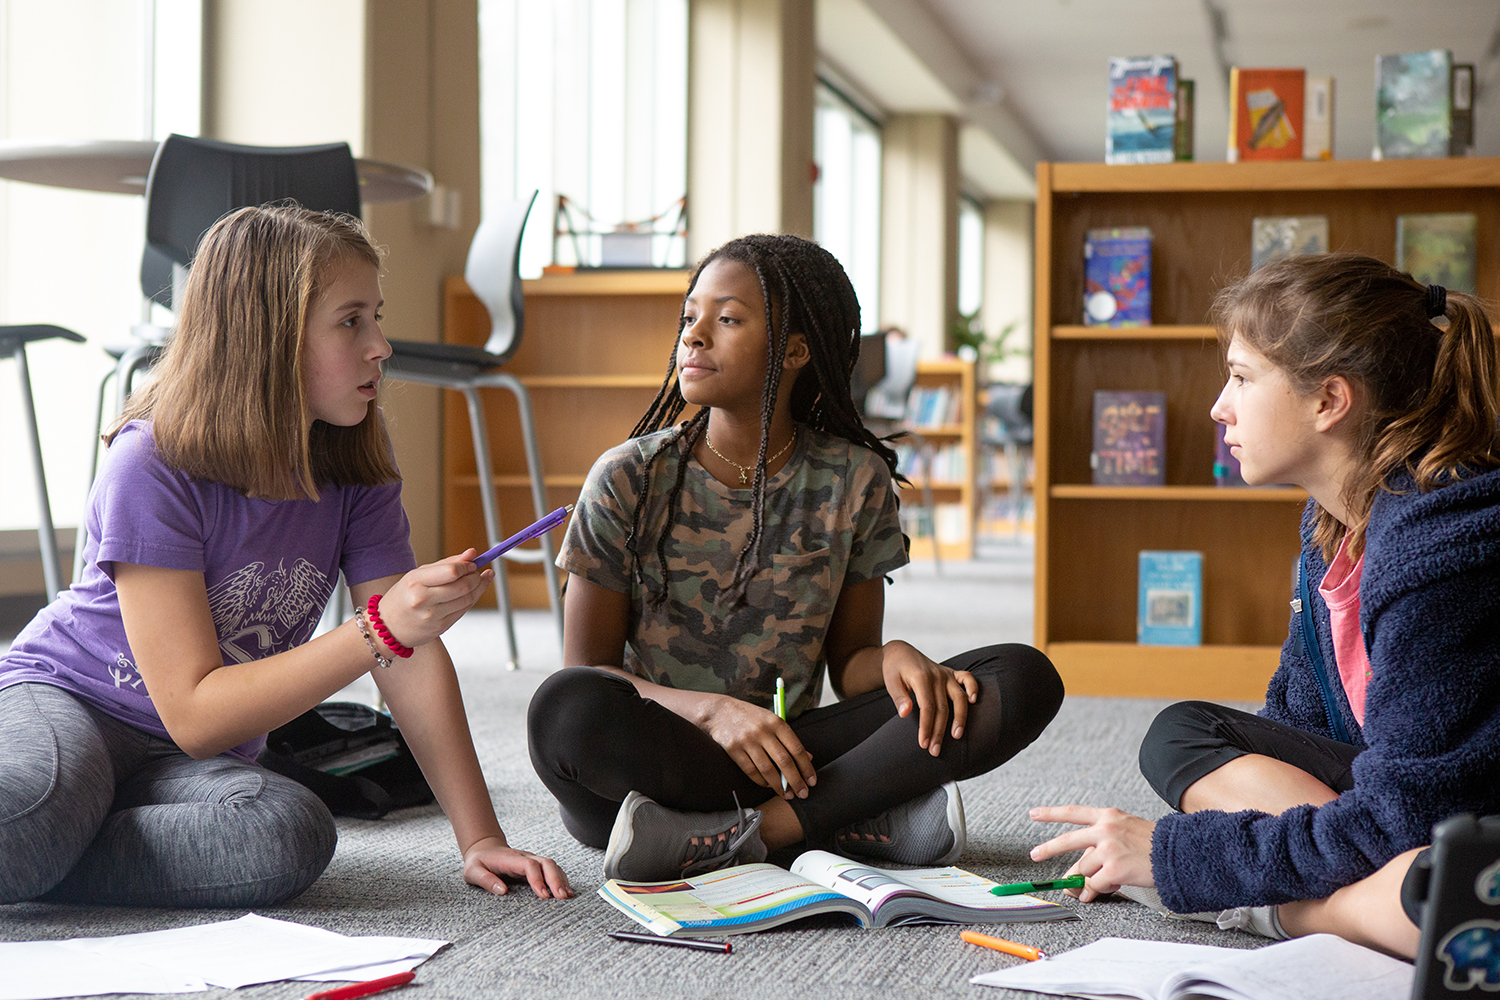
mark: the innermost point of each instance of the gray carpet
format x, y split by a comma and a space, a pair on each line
400, 875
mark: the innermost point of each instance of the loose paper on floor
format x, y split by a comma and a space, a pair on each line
228, 954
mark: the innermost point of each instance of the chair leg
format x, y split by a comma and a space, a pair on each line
1017, 484
51, 572
538, 491
82, 536
480, 431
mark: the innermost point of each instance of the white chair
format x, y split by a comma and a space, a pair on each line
492, 271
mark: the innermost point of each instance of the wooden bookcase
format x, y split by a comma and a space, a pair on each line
1088, 536
593, 353
958, 377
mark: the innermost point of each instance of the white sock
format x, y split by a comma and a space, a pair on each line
1262, 920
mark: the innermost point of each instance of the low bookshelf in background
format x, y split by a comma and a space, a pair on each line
592, 355
941, 409
1090, 536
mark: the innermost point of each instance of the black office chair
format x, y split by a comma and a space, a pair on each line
13, 341
493, 274
1007, 430
193, 183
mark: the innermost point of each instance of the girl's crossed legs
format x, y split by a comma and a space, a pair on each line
594, 740
95, 811
1198, 755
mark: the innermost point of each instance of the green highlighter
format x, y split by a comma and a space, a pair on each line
1016, 888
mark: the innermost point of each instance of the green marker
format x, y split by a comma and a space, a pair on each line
1016, 888
779, 703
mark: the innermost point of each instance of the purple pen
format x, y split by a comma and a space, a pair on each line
526, 534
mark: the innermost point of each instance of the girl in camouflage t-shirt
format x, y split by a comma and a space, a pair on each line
749, 543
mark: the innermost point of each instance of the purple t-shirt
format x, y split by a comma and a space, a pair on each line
270, 568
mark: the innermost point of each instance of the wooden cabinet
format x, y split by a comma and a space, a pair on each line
954, 440
1088, 536
593, 353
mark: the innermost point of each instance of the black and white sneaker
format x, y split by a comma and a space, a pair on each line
927, 830
651, 843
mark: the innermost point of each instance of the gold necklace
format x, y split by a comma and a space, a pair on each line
745, 469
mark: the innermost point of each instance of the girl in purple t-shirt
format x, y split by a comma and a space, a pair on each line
238, 485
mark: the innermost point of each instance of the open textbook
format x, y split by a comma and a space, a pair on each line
754, 897
1319, 965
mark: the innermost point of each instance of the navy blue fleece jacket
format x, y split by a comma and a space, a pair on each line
1430, 743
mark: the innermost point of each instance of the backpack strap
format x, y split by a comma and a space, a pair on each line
1314, 654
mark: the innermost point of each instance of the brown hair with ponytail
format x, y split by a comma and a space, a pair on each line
1426, 363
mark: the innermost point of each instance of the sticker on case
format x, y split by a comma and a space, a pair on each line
1472, 953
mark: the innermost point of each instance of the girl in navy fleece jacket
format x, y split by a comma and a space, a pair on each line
1377, 395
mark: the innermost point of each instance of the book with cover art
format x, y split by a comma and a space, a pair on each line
1317, 119
1182, 138
1130, 431
1117, 277
1318, 965
1142, 110
1265, 113
1438, 249
1226, 466
1273, 237
748, 898
1462, 138
1413, 105
1170, 599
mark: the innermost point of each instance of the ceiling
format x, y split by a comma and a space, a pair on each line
1030, 74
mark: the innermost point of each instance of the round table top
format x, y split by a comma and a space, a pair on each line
120, 166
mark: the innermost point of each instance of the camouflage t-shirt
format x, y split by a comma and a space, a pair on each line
830, 522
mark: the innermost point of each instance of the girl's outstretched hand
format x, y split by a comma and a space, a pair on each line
489, 862
761, 743
426, 601
1116, 847
909, 674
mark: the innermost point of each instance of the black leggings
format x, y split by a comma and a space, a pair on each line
594, 740
1192, 738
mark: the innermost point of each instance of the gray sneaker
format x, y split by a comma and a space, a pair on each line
651, 843
928, 830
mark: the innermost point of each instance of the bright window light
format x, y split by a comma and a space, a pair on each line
846, 197
585, 99
73, 69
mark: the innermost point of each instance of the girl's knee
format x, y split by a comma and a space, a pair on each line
1027, 685
1185, 723
575, 702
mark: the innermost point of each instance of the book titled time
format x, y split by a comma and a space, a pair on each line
1130, 432
1170, 607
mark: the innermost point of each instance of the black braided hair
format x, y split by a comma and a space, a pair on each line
806, 291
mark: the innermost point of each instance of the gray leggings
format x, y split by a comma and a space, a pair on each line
96, 811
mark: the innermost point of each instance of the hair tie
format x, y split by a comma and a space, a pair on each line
1437, 301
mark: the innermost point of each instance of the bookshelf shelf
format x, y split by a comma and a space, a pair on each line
1272, 494
956, 533
1088, 537
593, 355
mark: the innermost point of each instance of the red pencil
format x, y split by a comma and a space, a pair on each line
364, 989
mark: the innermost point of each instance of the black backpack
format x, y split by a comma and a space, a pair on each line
352, 756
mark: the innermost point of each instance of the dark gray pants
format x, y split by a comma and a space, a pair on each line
96, 811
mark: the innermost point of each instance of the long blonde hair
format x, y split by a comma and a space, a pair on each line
1432, 402
228, 401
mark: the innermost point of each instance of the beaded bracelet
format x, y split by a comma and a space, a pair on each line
364, 630
372, 611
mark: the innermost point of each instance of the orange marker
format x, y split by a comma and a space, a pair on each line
1025, 951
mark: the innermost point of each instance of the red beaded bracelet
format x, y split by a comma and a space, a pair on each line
372, 612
